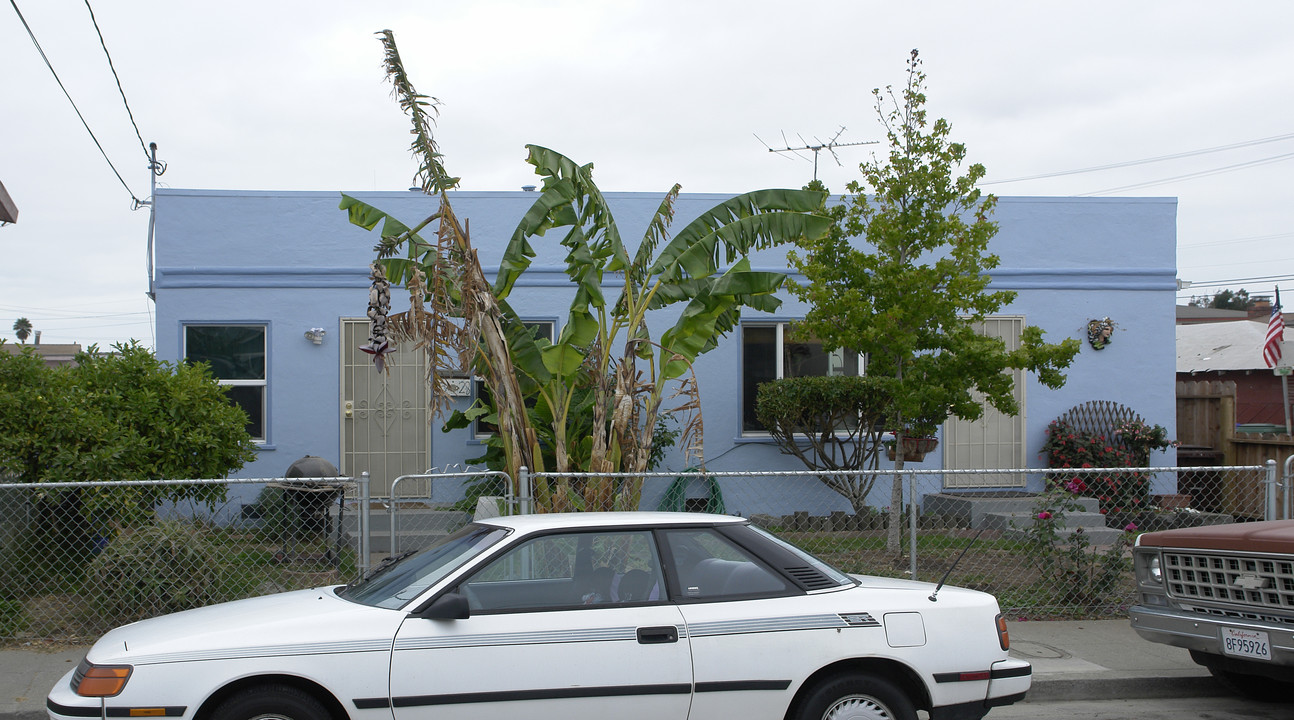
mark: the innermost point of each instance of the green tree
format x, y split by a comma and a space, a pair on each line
911, 300
22, 329
1225, 300
605, 344
117, 416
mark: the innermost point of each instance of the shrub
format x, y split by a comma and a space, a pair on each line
1076, 572
1128, 446
153, 570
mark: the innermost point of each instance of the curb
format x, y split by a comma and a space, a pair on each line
1076, 686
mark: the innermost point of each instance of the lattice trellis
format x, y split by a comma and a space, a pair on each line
1099, 417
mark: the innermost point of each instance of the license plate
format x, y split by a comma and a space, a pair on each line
1246, 643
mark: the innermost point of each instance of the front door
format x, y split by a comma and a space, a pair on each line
384, 428
564, 626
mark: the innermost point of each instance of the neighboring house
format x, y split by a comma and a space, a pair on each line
272, 287
53, 354
1231, 350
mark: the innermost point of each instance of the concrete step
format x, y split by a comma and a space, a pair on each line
1014, 526
418, 526
1021, 520
380, 543
409, 519
973, 507
1097, 536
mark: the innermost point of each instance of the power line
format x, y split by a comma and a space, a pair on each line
1145, 161
1194, 175
118, 79
1237, 241
32, 35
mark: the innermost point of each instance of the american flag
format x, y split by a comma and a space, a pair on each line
1275, 334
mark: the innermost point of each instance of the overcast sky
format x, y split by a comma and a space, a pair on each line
274, 95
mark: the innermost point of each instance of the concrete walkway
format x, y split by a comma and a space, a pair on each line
1072, 660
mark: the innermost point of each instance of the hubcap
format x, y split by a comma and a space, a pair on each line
857, 707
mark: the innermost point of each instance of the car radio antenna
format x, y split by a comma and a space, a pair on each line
934, 596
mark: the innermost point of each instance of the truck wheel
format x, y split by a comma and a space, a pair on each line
1253, 687
856, 697
271, 702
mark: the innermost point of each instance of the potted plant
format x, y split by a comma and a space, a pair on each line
917, 438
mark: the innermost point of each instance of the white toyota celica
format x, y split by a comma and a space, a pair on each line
626, 615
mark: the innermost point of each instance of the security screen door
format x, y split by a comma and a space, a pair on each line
995, 441
384, 427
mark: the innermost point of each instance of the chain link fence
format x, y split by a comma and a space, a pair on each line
72, 565
77, 559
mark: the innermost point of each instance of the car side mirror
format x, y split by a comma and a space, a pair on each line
450, 606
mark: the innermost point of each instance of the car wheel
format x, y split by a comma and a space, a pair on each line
856, 697
271, 702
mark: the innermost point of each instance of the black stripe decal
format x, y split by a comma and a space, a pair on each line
71, 711
977, 675
145, 711
741, 685
540, 694
93, 712
1013, 672
371, 703
968, 676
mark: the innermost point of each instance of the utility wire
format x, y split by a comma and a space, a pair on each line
32, 35
1145, 161
113, 68
1194, 175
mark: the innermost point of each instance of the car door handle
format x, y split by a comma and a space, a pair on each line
656, 635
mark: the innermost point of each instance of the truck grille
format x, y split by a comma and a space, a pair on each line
1249, 581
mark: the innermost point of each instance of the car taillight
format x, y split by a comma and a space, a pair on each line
92, 680
1003, 638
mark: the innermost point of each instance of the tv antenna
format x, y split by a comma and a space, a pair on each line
830, 146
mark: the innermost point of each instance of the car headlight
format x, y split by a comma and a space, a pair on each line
1154, 572
92, 680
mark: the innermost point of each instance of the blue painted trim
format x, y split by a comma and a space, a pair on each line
547, 276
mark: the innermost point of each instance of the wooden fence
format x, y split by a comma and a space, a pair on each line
1206, 429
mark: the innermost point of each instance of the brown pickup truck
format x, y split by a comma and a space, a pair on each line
1226, 593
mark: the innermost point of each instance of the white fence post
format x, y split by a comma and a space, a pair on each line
1269, 511
365, 524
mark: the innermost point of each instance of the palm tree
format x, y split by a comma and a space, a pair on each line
22, 328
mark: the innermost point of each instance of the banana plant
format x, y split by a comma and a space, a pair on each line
611, 341
462, 322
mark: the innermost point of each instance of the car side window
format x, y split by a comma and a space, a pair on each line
709, 566
569, 570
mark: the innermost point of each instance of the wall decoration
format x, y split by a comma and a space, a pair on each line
1100, 333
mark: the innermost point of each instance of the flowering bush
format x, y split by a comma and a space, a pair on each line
1129, 446
1068, 564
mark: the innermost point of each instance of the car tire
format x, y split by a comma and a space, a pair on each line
856, 697
271, 702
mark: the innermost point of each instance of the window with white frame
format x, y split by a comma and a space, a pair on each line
236, 354
540, 329
768, 352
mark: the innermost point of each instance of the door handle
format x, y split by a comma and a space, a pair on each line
657, 635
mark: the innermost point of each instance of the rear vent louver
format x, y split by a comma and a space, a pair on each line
809, 578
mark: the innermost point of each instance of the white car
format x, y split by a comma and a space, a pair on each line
589, 615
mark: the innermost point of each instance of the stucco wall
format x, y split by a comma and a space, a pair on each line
292, 262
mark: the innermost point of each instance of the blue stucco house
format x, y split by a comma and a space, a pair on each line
272, 287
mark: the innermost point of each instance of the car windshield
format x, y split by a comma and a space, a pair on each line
825, 569
398, 580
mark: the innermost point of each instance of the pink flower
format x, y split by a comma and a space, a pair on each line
1044, 515
1130, 527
